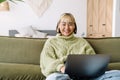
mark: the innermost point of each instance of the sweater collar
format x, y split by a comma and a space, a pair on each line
66, 37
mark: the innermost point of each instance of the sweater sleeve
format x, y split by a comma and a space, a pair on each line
48, 60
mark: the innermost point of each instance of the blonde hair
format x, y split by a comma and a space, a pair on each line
67, 17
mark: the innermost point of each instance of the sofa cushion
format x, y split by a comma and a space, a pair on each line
114, 66
10, 71
20, 50
110, 46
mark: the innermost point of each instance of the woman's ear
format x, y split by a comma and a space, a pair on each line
58, 30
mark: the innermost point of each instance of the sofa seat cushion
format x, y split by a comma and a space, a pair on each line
11, 71
114, 66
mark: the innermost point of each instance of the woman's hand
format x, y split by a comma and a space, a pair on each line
62, 69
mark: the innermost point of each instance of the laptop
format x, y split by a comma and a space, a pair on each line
85, 67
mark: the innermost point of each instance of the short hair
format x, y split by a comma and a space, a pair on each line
68, 16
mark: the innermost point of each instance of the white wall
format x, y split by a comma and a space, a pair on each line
21, 15
116, 19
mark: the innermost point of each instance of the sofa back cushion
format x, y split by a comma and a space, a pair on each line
27, 50
110, 46
20, 50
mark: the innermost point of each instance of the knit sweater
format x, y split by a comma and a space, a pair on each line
57, 49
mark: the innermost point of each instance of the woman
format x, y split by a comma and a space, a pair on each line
57, 49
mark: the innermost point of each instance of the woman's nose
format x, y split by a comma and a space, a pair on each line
67, 26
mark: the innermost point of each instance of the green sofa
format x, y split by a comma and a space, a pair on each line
19, 57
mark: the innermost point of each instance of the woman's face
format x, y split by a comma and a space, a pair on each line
66, 27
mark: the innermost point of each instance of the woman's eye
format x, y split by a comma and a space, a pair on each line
70, 24
63, 24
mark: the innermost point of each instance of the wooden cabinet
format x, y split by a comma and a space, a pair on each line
99, 18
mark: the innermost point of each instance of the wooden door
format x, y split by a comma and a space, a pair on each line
99, 18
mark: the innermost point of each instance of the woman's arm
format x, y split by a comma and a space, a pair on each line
88, 48
49, 63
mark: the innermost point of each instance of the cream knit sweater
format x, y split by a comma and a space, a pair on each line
56, 49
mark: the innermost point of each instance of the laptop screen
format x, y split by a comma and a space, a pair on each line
86, 66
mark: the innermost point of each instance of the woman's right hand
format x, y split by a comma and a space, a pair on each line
62, 70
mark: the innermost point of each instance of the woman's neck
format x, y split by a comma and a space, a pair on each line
66, 37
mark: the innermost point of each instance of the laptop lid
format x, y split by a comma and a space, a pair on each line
86, 66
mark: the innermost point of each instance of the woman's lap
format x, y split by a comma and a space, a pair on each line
58, 76
109, 75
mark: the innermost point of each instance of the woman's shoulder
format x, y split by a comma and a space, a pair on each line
81, 39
